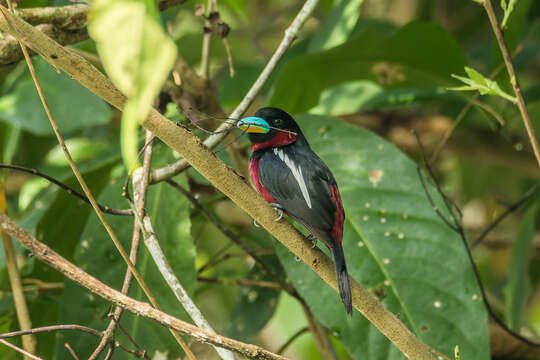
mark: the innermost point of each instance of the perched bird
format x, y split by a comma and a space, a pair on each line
291, 177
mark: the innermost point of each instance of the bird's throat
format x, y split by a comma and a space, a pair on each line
281, 138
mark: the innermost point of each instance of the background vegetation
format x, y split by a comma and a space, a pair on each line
360, 76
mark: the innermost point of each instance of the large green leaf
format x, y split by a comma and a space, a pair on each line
137, 55
519, 283
256, 305
396, 246
417, 55
60, 225
337, 27
356, 96
97, 255
73, 106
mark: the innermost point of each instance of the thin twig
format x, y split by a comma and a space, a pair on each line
152, 244
530, 193
69, 189
233, 237
126, 334
321, 336
70, 327
241, 282
457, 226
78, 175
71, 351
139, 308
295, 336
513, 78
212, 141
207, 41
464, 111
18, 349
140, 181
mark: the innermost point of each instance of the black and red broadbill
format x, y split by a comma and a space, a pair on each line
290, 176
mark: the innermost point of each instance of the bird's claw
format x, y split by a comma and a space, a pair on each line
313, 240
279, 209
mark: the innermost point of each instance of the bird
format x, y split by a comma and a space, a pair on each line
292, 178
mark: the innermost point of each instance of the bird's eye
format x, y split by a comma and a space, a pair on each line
279, 122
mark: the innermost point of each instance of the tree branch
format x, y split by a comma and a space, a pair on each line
227, 181
64, 24
139, 308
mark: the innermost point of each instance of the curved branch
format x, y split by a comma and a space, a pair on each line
139, 308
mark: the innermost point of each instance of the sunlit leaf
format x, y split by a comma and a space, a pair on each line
136, 54
336, 28
508, 7
73, 106
477, 82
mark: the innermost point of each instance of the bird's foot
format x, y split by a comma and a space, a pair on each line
313, 240
279, 210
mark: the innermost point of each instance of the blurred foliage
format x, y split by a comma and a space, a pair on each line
360, 76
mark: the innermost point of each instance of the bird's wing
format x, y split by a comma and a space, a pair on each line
300, 182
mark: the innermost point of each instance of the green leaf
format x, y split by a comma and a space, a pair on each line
396, 246
477, 82
80, 149
337, 27
9, 141
356, 96
419, 55
519, 285
256, 305
136, 54
508, 8
96, 254
73, 106
60, 227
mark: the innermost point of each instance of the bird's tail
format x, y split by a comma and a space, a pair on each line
342, 277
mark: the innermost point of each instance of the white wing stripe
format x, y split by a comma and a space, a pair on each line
297, 173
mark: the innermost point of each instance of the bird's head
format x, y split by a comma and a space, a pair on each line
270, 127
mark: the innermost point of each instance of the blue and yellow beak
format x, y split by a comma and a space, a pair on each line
254, 124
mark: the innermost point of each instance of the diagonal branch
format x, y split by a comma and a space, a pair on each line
230, 183
49, 256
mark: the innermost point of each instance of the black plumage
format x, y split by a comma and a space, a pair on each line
286, 171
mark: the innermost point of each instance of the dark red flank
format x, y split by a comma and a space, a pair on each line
287, 172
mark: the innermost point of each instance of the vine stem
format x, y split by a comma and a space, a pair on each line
513, 78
